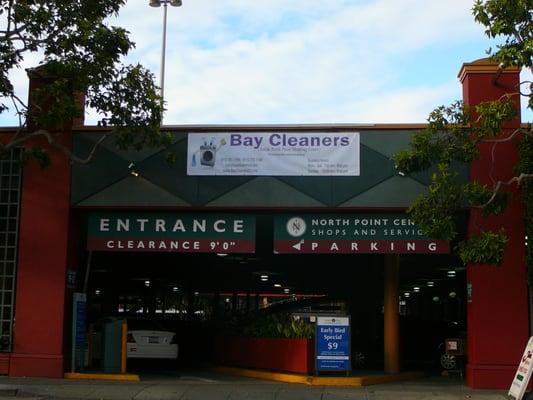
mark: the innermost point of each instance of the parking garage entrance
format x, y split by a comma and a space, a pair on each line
216, 281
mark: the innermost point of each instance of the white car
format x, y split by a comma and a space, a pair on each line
148, 340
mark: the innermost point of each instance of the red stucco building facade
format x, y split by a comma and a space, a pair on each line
49, 244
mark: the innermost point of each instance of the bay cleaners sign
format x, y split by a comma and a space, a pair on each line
274, 154
200, 233
352, 233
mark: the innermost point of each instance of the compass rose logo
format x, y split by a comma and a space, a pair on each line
296, 227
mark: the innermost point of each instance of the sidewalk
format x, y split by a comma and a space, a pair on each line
213, 386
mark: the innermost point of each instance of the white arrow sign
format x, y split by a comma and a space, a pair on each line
298, 246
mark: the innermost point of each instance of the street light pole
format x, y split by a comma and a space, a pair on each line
157, 3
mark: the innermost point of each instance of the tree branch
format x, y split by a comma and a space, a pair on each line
6, 35
518, 179
527, 132
54, 143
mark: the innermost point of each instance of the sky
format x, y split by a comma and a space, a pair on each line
302, 61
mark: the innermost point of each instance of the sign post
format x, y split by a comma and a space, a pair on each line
333, 344
523, 373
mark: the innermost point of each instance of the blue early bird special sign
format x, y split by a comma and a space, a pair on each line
333, 344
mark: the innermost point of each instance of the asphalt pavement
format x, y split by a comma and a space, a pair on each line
213, 386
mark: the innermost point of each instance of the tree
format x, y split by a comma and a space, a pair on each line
81, 55
454, 133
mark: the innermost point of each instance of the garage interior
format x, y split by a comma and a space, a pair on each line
195, 295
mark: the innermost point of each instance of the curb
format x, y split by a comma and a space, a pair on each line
354, 381
102, 377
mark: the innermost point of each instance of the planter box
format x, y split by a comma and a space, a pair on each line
290, 355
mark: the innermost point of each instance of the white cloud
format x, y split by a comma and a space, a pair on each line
330, 60
411, 105
298, 61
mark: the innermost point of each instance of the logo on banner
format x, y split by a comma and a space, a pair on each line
207, 152
296, 227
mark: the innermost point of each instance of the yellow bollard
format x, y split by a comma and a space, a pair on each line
124, 347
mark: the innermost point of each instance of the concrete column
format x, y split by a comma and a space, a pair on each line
45, 238
391, 332
248, 302
497, 308
234, 302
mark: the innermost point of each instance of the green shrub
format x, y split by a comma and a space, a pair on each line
271, 326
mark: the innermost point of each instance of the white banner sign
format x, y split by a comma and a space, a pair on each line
523, 374
274, 153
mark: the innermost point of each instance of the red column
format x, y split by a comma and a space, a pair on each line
42, 264
497, 311
41, 272
391, 316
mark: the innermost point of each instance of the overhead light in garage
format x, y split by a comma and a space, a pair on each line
175, 289
430, 283
277, 285
407, 294
147, 283
416, 289
451, 273
286, 290
97, 292
264, 278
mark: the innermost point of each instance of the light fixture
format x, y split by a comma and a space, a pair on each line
227, 299
400, 172
175, 289
132, 169
157, 3
196, 293
277, 285
97, 292
416, 289
264, 278
451, 273
147, 283
430, 283
407, 294
286, 290
221, 254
